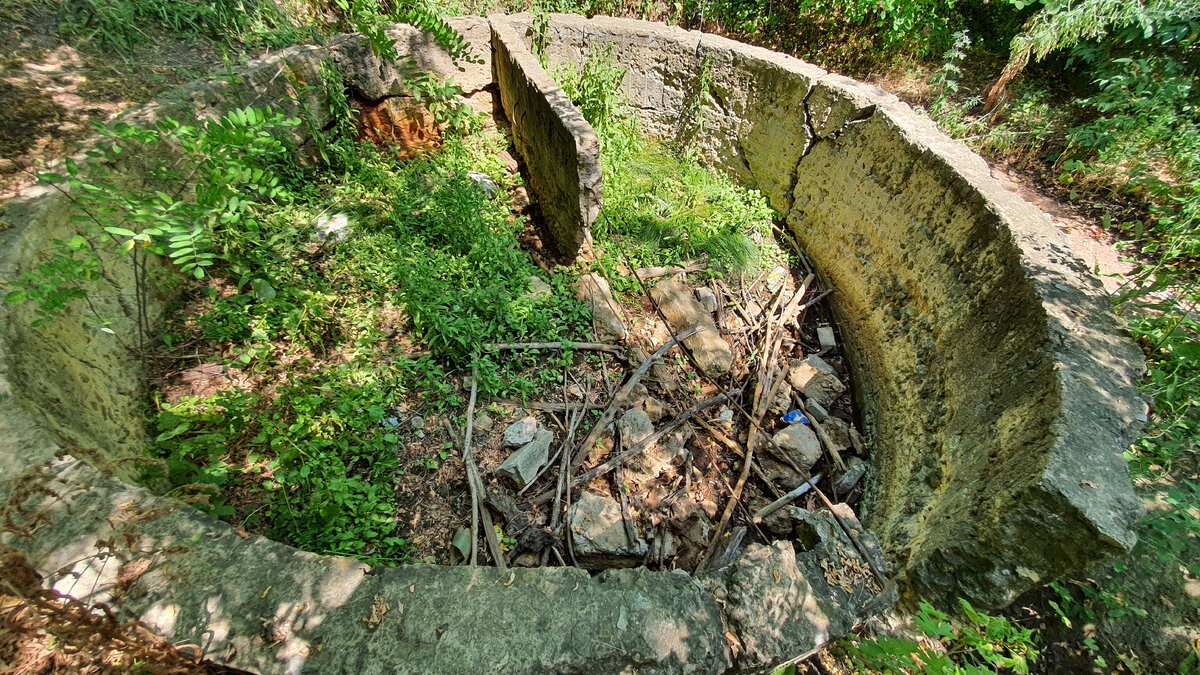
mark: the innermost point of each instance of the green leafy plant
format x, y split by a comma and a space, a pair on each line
232, 165
669, 207
979, 643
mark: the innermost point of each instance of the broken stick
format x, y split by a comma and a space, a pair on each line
786, 499
614, 406
646, 443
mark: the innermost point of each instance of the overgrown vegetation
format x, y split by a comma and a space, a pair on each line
662, 205
978, 643
431, 258
1101, 95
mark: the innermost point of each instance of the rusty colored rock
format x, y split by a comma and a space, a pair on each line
401, 124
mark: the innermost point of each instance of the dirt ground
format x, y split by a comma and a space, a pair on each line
52, 88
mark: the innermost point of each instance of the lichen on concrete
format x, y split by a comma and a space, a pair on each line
996, 390
67, 433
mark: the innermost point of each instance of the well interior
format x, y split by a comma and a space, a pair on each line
994, 382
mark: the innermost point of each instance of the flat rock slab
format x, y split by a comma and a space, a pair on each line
683, 311
521, 432
522, 466
270, 608
593, 290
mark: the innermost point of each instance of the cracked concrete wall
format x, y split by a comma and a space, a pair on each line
992, 377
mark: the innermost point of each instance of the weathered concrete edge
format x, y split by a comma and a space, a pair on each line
569, 188
1096, 366
252, 603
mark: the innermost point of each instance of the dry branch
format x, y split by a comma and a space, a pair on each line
646, 443
786, 499
622, 395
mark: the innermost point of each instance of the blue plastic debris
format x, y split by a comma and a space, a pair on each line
794, 417
391, 422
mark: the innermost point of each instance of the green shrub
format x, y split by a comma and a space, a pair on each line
979, 643
660, 201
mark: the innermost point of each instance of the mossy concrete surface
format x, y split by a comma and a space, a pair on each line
995, 384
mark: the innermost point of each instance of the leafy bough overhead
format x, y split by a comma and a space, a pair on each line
197, 211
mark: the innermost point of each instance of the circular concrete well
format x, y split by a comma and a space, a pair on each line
994, 384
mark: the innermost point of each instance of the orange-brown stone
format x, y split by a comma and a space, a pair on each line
401, 124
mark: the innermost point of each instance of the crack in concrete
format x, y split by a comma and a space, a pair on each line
810, 132
863, 115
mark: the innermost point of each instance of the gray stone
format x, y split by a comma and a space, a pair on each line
416, 422
782, 403
375, 78
825, 337
635, 426
818, 531
781, 475
781, 523
816, 411
707, 299
484, 422
521, 432
599, 536
798, 443
593, 290
775, 600
817, 380
522, 466
654, 409
841, 434
485, 183
855, 470
560, 149
711, 351
659, 376
539, 289
725, 414
332, 229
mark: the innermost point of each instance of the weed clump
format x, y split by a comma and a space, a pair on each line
309, 448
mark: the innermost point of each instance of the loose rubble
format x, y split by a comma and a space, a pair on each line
521, 432
616, 473
522, 466
600, 537
817, 380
